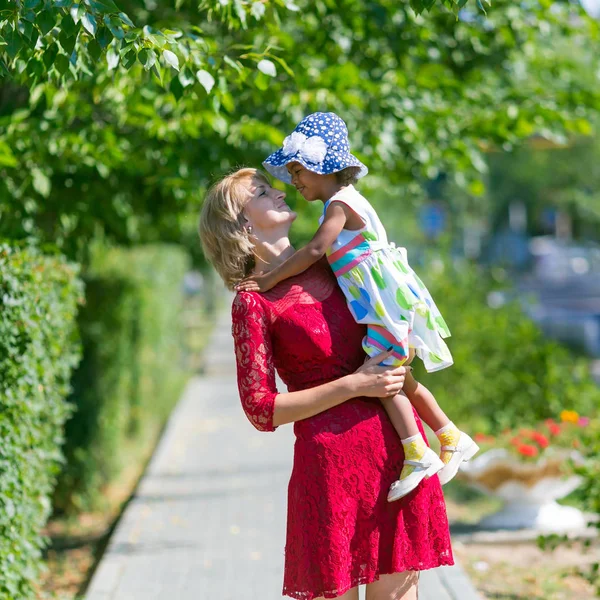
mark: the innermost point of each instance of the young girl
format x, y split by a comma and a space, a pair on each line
381, 289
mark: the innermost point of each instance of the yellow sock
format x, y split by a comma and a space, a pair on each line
448, 436
414, 449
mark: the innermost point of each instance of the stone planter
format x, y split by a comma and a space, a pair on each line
529, 490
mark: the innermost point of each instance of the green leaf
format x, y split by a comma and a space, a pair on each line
29, 4
258, 10
267, 67
171, 59
89, 23
94, 50
236, 65
126, 19
67, 43
41, 182
114, 26
240, 11
26, 29
7, 158
14, 43
35, 69
186, 77
206, 80
261, 81
104, 37
129, 59
77, 11
176, 88
67, 26
50, 55
147, 58
46, 20
158, 74
61, 63
112, 58
284, 65
104, 6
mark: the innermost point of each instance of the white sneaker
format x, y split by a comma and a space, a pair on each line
429, 465
465, 450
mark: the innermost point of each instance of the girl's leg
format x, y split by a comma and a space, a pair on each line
349, 595
397, 586
401, 414
455, 445
420, 461
425, 403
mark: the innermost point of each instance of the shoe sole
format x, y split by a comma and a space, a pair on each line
469, 453
430, 472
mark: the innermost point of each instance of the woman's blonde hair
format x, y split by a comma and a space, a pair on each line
224, 238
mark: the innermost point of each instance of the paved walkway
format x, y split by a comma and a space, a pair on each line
208, 518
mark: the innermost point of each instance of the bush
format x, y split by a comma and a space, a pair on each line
132, 371
506, 372
39, 348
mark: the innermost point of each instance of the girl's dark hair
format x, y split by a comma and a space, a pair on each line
348, 175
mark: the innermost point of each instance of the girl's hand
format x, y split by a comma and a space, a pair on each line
255, 283
376, 381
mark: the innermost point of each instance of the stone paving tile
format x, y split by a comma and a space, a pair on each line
208, 518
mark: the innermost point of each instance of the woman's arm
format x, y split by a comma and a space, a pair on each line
333, 223
370, 380
264, 407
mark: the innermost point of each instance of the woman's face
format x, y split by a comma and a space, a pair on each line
267, 208
311, 185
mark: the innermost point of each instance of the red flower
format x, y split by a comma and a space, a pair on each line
527, 450
516, 441
541, 439
480, 437
553, 427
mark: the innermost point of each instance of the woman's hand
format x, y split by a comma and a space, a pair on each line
377, 381
255, 283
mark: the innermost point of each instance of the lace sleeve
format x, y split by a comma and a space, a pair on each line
254, 358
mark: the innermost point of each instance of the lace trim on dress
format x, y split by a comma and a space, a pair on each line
254, 358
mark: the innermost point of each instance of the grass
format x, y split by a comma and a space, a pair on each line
523, 572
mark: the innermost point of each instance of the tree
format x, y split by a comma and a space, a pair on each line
129, 156
68, 40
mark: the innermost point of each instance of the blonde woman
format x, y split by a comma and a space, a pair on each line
341, 531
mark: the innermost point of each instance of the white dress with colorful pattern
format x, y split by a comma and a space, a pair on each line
384, 293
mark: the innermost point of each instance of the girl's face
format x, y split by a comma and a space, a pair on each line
311, 185
267, 208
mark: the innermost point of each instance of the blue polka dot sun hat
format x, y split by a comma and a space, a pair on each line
320, 144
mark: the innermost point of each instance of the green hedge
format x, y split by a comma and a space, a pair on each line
39, 348
506, 372
132, 370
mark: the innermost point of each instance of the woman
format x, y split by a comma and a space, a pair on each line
341, 531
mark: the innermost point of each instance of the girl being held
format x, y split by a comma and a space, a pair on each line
382, 290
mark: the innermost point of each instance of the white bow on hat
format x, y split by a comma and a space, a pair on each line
313, 149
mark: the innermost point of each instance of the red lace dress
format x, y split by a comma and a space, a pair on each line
341, 531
